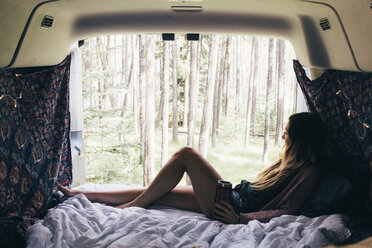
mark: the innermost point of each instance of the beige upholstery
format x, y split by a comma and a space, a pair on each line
345, 46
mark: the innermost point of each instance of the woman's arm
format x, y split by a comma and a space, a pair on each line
262, 216
290, 200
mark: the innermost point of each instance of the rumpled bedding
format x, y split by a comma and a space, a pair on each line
77, 222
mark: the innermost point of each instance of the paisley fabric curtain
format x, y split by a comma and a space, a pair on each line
34, 139
344, 101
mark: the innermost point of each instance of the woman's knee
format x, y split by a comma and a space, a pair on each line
186, 151
187, 156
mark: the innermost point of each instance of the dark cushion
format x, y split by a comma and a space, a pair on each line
356, 170
331, 191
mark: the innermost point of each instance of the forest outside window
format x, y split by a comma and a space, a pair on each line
228, 96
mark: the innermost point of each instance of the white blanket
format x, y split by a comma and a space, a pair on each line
79, 223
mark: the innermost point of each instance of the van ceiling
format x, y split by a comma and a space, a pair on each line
345, 42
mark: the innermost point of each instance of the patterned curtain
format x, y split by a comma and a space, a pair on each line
34, 140
344, 100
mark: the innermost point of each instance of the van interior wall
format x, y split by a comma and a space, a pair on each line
297, 21
76, 112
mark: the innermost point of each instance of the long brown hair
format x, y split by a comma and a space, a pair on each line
307, 146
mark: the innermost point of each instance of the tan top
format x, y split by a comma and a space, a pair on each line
290, 200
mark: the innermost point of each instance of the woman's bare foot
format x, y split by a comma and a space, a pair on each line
68, 192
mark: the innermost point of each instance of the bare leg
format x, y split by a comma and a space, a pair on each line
203, 178
199, 198
179, 197
182, 197
110, 197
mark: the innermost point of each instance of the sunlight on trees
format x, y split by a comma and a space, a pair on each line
144, 98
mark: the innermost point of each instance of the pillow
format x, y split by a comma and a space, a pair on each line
356, 171
331, 191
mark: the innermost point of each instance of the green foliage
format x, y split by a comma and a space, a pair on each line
115, 164
109, 159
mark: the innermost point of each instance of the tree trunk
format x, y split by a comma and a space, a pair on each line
125, 71
218, 92
128, 80
193, 97
160, 73
268, 100
161, 85
127, 88
198, 52
254, 80
194, 88
227, 74
149, 161
215, 113
164, 130
186, 101
252, 72
161, 105
142, 92
175, 94
135, 85
124, 59
157, 76
186, 90
125, 82
122, 83
102, 84
280, 89
208, 96
238, 84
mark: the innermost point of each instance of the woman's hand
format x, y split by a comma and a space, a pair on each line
224, 211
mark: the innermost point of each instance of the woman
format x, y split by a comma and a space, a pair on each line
280, 189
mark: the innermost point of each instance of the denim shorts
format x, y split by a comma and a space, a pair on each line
245, 199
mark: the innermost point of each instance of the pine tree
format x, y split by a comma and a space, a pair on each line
164, 130
208, 96
175, 93
268, 100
